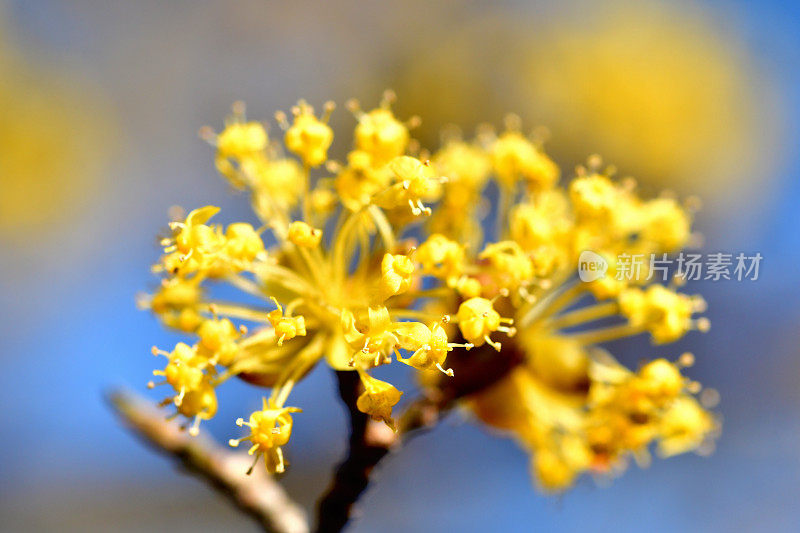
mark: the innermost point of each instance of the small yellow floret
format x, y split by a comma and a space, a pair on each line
218, 341
428, 344
194, 236
372, 334
465, 165
415, 182
241, 140
684, 426
477, 319
662, 378
666, 314
303, 235
667, 225
286, 327
396, 274
276, 183
510, 266
243, 243
378, 399
514, 157
309, 137
270, 428
361, 179
380, 134
552, 471
441, 257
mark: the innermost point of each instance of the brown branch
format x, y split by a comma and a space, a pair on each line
258, 495
370, 441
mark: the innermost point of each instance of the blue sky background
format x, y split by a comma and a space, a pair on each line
69, 328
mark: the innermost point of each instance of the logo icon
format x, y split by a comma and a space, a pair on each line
591, 266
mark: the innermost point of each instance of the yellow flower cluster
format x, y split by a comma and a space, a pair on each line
346, 278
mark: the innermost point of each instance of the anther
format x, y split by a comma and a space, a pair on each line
388, 98
686, 360
207, 134
283, 122
239, 108
448, 372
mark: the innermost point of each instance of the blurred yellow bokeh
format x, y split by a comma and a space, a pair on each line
659, 89
56, 137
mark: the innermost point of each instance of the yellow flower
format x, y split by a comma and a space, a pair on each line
195, 236
477, 319
276, 183
241, 140
667, 226
467, 166
372, 334
381, 135
666, 314
189, 375
378, 399
304, 235
514, 157
176, 303
242, 243
309, 137
441, 257
270, 428
286, 327
511, 267
414, 182
218, 341
552, 471
661, 378
365, 296
684, 426
361, 179
200, 404
428, 344
396, 275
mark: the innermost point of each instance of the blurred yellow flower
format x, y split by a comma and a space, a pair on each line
56, 136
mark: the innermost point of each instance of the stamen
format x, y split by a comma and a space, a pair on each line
252, 466
239, 108
686, 360
207, 134
709, 398
493, 344
414, 122
388, 99
354, 107
195, 429
507, 330
327, 109
283, 122
448, 372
